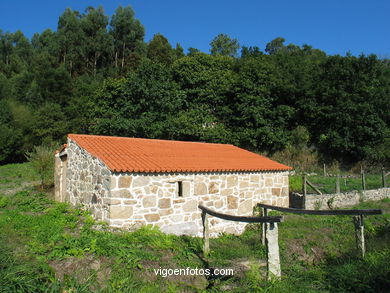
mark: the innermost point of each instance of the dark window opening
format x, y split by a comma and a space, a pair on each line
180, 189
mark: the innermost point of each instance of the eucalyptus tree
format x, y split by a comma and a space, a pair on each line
72, 41
223, 45
99, 44
127, 33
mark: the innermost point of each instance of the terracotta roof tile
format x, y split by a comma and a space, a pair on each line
123, 154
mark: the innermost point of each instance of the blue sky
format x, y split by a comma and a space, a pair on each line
333, 26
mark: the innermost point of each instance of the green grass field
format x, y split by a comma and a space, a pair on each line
328, 184
52, 247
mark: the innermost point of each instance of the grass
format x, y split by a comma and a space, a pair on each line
327, 185
51, 247
15, 175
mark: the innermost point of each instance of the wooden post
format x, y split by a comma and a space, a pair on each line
338, 183
363, 180
359, 232
264, 213
383, 178
304, 191
273, 258
324, 170
206, 245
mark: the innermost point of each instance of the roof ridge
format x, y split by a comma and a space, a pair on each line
151, 139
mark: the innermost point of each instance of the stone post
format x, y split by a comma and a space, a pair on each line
359, 232
273, 259
206, 245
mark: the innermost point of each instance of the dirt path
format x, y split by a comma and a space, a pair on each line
24, 185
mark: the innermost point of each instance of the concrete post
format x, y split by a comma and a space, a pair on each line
273, 258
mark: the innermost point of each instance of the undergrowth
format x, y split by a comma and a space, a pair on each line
52, 247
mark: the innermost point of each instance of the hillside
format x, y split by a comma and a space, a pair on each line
96, 74
52, 247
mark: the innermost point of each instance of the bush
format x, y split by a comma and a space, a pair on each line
42, 160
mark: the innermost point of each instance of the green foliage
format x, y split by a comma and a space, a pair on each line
42, 160
39, 239
223, 45
159, 50
56, 82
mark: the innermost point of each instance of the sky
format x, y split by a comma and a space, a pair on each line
336, 27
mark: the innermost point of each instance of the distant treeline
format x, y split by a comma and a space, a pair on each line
97, 75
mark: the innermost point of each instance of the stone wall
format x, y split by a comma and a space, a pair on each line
342, 200
142, 199
87, 181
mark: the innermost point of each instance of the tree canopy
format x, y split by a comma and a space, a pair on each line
96, 74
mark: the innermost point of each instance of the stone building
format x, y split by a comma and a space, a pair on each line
130, 182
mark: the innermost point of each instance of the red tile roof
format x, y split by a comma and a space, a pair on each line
122, 154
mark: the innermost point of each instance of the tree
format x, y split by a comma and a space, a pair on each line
6, 47
206, 80
192, 51
138, 105
71, 39
275, 46
258, 119
47, 42
250, 52
348, 123
99, 44
160, 50
127, 33
179, 51
223, 45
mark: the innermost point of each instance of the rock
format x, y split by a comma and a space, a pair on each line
181, 229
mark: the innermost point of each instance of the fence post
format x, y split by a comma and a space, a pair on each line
264, 213
205, 221
383, 178
273, 258
363, 180
338, 183
359, 232
304, 191
324, 170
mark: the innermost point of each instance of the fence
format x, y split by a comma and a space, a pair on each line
357, 219
337, 183
270, 229
272, 244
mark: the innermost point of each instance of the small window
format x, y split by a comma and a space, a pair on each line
180, 188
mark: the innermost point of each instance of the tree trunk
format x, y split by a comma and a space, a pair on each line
123, 56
